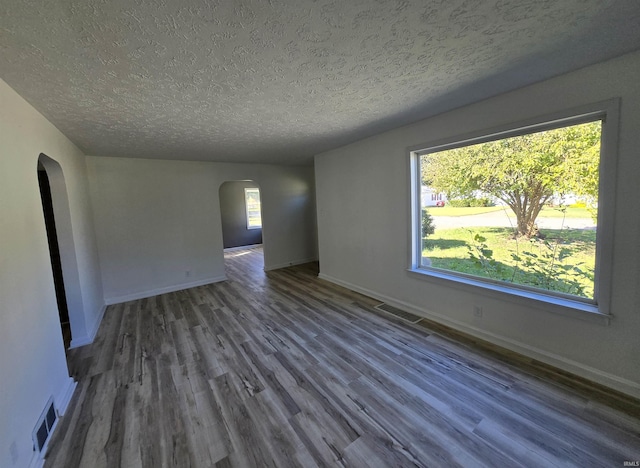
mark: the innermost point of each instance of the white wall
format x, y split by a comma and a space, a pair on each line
32, 358
156, 220
363, 218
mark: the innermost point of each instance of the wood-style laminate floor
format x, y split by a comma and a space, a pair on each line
283, 369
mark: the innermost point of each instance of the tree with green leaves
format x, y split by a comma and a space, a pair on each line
525, 172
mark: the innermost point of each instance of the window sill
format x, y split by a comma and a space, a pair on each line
558, 305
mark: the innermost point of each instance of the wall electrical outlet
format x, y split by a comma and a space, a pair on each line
477, 311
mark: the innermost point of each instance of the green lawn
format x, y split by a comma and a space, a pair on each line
547, 264
547, 212
461, 211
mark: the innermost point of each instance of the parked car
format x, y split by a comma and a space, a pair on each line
440, 203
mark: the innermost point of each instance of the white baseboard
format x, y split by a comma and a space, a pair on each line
158, 291
614, 382
76, 342
79, 342
62, 399
37, 461
288, 264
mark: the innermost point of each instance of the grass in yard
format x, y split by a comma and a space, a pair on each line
547, 211
461, 211
541, 265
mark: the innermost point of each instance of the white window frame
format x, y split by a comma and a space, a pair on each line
247, 190
598, 309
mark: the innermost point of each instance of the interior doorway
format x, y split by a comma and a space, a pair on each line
241, 213
54, 253
62, 248
241, 218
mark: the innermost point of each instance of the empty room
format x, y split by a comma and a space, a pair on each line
319, 233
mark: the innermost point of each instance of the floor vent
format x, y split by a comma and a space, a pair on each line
45, 426
409, 317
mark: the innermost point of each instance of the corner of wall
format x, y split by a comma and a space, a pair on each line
84, 340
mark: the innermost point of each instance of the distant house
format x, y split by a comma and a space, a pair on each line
430, 197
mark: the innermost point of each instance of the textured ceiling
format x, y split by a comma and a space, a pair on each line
278, 81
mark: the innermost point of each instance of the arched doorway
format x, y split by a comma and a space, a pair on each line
241, 219
57, 216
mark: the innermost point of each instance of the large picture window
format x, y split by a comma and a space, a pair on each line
517, 210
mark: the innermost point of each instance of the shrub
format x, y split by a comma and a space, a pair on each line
459, 203
468, 202
482, 202
427, 224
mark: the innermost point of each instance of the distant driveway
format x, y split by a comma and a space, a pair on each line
500, 219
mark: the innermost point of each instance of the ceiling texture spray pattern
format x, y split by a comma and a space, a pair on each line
278, 81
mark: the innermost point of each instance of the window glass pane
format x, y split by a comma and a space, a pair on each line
252, 201
521, 210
